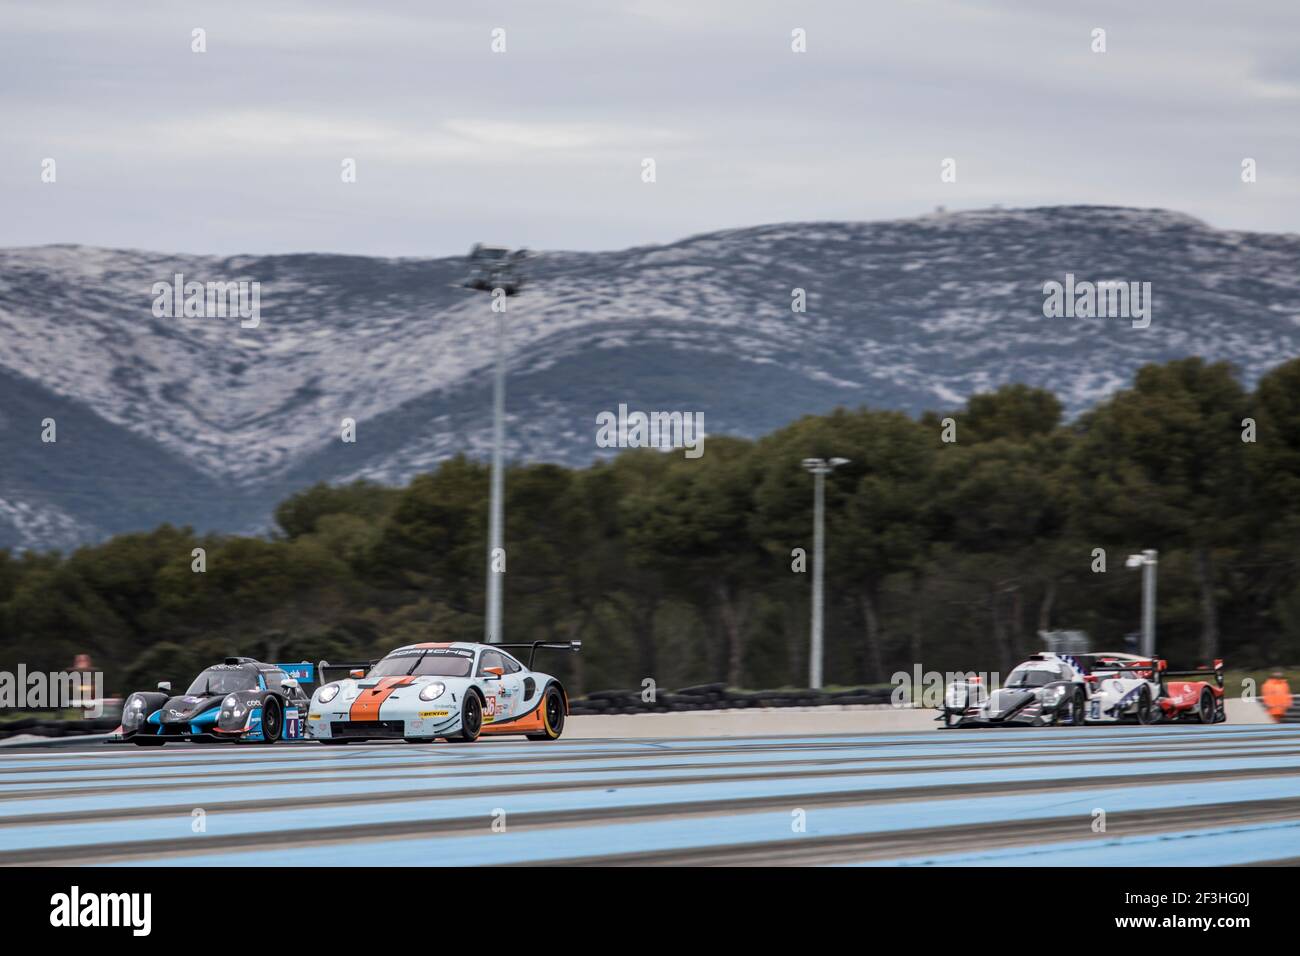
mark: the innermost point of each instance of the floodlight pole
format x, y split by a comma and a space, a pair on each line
492, 624
484, 278
1148, 561
818, 583
819, 469
1149, 603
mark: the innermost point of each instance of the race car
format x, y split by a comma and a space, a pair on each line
240, 700
1196, 700
1143, 689
1043, 690
1124, 687
452, 691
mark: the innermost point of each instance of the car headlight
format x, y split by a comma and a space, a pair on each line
1053, 694
328, 693
229, 702
133, 714
432, 691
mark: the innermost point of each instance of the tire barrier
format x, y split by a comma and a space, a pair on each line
51, 727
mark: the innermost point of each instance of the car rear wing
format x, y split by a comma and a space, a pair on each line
337, 670
535, 646
304, 672
1215, 671
1127, 666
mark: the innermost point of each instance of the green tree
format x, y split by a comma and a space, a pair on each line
301, 513
1163, 465
695, 528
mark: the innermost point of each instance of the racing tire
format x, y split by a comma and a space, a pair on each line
147, 741
1078, 706
552, 715
1147, 713
471, 720
1205, 709
272, 724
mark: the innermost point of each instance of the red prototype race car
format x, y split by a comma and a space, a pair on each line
1199, 700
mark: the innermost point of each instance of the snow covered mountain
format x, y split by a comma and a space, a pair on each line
202, 421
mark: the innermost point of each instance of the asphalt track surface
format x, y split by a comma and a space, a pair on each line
1172, 796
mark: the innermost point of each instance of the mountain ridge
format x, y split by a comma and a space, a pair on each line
202, 422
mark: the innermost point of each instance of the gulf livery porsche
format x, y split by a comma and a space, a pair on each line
240, 701
451, 691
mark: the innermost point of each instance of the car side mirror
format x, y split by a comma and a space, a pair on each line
494, 673
289, 684
358, 673
165, 685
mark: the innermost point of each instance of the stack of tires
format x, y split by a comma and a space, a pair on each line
51, 727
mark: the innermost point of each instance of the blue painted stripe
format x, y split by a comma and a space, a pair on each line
1217, 846
587, 770
164, 798
541, 845
672, 765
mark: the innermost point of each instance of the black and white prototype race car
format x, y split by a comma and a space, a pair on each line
1046, 689
1103, 688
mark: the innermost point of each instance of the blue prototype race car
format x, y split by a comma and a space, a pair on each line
240, 701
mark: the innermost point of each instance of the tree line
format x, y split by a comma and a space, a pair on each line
952, 539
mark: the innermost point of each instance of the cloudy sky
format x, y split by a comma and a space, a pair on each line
239, 149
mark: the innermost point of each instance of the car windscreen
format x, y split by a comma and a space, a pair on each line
1032, 677
444, 665
222, 680
431, 662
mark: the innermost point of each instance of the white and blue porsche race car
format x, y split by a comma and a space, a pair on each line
451, 691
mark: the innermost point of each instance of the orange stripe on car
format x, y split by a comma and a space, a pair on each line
529, 722
366, 706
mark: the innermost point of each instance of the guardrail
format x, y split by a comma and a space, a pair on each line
601, 702
719, 697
